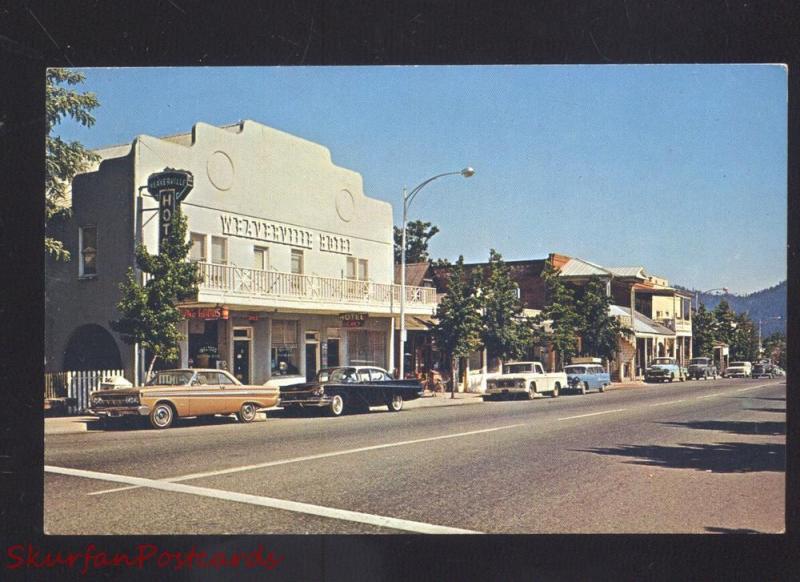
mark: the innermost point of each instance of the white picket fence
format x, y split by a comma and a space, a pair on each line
78, 386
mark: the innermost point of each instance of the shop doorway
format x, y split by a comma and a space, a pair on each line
333, 352
242, 348
312, 354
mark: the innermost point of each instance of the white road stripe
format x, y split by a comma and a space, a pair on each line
593, 414
329, 512
670, 402
314, 457
706, 396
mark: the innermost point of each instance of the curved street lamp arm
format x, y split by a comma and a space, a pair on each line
410, 196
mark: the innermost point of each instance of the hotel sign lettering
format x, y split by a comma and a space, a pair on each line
205, 313
274, 232
169, 187
353, 319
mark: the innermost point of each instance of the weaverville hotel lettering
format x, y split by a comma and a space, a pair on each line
282, 234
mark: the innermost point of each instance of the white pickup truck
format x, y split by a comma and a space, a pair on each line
525, 378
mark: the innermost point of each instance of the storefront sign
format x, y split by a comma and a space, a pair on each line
169, 188
353, 319
274, 232
205, 313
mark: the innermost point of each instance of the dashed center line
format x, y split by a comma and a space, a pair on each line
271, 502
670, 402
593, 414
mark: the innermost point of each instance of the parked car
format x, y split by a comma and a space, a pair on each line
704, 368
171, 394
585, 377
525, 379
762, 370
738, 370
350, 388
664, 370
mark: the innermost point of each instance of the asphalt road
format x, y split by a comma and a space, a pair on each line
693, 457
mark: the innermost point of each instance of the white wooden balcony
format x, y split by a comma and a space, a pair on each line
679, 326
256, 288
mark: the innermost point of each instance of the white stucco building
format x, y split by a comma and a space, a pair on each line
297, 261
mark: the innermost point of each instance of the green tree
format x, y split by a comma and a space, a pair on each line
744, 339
599, 330
418, 234
775, 348
704, 332
150, 316
505, 332
560, 310
725, 319
457, 331
64, 159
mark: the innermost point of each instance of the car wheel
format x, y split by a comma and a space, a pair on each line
556, 390
396, 403
671, 377
602, 387
336, 407
162, 415
247, 413
584, 387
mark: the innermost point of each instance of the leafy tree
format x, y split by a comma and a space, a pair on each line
457, 332
725, 319
149, 314
418, 234
704, 332
599, 330
505, 332
775, 348
560, 309
744, 339
64, 159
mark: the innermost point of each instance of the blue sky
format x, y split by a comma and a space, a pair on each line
678, 168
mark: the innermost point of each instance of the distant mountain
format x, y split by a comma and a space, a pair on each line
764, 305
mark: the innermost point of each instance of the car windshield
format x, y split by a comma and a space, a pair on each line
171, 378
517, 368
662, 361
738, 364
698, 361
575, 369
336, 375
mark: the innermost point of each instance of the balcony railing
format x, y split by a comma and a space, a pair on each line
239, 281
676, 325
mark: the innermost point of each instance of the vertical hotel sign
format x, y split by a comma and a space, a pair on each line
169, 187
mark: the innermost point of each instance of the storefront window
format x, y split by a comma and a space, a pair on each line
366, 348
203, 349
284, 355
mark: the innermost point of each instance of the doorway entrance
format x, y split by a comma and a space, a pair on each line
312, 354
242, 348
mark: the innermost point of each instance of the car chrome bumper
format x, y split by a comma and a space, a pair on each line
500, 391
312, 401
117, 411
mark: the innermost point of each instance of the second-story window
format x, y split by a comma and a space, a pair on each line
219, 250
87, 241
261, 258
297, 262
198, 251
357, 269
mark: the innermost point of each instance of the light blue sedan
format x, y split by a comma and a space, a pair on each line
583, 377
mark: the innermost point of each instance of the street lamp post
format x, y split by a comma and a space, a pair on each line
407, 199
760, 321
